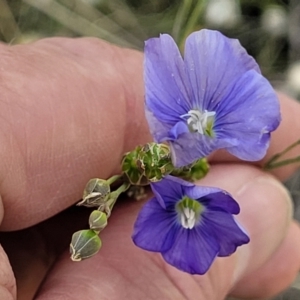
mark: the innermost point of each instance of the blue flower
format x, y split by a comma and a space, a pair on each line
190, 225
214, 98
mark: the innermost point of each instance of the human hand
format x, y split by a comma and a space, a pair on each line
69, 110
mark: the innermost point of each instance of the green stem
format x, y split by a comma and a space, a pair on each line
270, 164
181, 15
282, 163
112, 179
195, 16
115, 194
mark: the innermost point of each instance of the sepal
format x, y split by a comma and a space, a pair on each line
84, 244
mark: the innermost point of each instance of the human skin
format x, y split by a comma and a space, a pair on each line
69, 109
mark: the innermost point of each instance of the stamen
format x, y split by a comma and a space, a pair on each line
201, 122
189, 212
188, 219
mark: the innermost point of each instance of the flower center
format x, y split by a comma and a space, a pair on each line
201, 122
189, 211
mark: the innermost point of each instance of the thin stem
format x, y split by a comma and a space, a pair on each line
195, 16
282, 163
274, 158
181, 15
114, 178
75, 22
115, 194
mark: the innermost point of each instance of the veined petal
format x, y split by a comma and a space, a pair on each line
192, 146
167, 192
193, 251
198, 191
155, 228
213, 198
213, 62
226, 230
247, 114
167, 91
158, 129
177, 130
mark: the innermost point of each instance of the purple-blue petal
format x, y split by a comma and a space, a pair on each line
177, 130
155, 228
225, 229
221, 200
191, 146
167, 91
213, 62
168, 192
198, 191
172, 189
247, 114
193, 251
158, 129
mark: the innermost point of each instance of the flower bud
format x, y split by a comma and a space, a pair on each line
95, 193
148, 163
194, 171
84, 244
97, 220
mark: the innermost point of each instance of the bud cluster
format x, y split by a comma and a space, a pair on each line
145, 164
97, 193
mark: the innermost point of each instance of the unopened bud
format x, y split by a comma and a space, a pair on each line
97, 220
95, 193
148, 163
195, 171
84, 244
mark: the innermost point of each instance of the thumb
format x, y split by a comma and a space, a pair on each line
69, 109
271, 261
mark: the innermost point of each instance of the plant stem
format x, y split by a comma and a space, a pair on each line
282, 163
271, 164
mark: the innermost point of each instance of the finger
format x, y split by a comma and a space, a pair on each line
69, 109
286, 134
7, 279
122, 269
277, 273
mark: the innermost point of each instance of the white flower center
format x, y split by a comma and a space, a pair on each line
189, 212
200, 122
188, 218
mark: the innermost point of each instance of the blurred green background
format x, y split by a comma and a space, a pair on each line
268, 29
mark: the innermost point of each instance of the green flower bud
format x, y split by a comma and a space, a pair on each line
132, 168
148, 163
84, 244
97, 220
194, 171
95, 193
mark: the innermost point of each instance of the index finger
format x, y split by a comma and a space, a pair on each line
69, 110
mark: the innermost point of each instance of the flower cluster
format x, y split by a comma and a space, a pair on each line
213, 98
